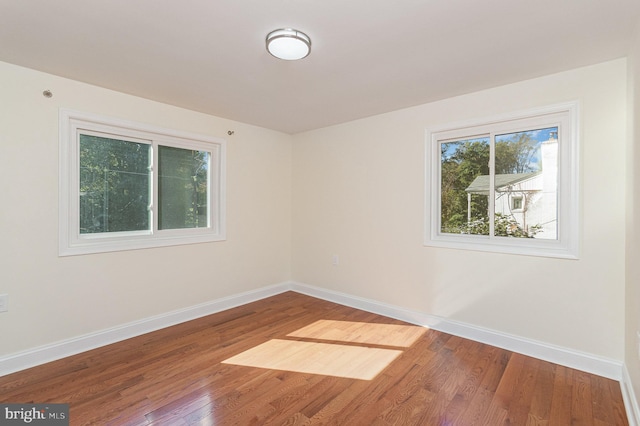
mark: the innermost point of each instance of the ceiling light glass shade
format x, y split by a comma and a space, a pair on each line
288, 44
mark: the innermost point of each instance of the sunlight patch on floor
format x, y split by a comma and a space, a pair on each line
355, 362
362, 332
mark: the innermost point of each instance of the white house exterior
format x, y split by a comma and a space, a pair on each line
529, 198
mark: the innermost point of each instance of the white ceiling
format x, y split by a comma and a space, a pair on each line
367, 56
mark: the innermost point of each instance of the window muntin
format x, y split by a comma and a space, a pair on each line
507, 184
127, 186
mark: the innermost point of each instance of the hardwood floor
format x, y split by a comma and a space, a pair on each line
176, 376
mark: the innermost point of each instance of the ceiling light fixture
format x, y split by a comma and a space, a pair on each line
288, 44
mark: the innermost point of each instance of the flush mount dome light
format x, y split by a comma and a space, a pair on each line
288, 44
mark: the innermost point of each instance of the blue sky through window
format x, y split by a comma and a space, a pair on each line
538, 135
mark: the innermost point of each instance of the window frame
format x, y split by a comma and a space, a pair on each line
565, 117
519, 199
71, 242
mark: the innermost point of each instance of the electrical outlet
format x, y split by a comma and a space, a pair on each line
335, 260
638, 334
4, 302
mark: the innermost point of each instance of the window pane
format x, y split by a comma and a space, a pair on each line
464, 186
526, 184
182, 188
114, 185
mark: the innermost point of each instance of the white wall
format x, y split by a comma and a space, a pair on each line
358, 192
632, 307
355, 190
53, 298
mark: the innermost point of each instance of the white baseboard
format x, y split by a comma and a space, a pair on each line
47, 353
556, 354
609, 368
629, 398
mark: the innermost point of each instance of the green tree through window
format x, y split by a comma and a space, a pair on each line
114, 185
462, 162
182, 188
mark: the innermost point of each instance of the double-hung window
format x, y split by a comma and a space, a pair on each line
128, 186
507, 184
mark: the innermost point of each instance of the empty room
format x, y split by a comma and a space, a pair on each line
342, 213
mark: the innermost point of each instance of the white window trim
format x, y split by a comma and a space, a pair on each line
567, 244
70, 240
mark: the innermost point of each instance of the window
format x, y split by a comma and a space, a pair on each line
129, 186
516, 204
507, 184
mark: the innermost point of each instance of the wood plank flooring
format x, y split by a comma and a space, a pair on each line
176, 376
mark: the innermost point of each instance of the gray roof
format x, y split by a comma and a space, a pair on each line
480, 184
